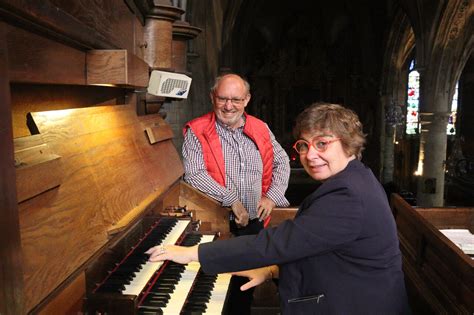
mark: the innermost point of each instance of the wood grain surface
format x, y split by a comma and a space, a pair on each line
109, 169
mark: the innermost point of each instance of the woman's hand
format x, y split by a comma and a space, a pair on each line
178, 254
256, 276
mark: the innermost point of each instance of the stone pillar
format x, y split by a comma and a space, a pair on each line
393, 117
433, 143
388, 154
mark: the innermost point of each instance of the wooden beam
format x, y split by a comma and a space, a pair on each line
11, 265
65, 65
46, 19
116, 67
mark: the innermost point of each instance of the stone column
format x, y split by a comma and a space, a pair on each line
388, 154
433, 143
393, 117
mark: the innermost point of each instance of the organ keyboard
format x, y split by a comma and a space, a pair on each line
137, 286
208, 295
148, 268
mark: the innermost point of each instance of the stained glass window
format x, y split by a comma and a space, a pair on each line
413, 100
451, 130
413, 123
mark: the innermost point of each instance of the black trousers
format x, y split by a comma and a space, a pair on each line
240, 302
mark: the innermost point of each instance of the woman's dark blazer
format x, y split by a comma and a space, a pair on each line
339, 255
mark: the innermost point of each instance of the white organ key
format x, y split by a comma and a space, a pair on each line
142, 277
178, 297
180, 293
206, 239
218, 294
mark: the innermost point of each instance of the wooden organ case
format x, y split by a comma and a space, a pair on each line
83, 175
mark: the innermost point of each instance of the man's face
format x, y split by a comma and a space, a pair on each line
229, 101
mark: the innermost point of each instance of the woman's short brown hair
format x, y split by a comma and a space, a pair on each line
336, 119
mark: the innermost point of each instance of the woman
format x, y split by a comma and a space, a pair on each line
340, 254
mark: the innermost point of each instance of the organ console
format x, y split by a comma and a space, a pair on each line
89, 171
114, 183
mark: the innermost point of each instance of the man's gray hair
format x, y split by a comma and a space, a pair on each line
220, 77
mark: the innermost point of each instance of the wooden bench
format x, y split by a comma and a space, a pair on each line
438, 274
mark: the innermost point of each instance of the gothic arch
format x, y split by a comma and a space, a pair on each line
454, 43
444, 33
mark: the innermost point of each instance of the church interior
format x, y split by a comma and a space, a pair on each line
89, 156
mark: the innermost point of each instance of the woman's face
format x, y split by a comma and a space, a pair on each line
325, 157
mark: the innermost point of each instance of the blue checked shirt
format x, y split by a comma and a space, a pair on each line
243, 167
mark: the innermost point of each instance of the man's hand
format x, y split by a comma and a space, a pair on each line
264, 208
241, 214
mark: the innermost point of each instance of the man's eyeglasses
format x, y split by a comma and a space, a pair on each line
235, 101
302, 146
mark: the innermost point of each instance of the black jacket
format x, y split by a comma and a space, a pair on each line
340, 255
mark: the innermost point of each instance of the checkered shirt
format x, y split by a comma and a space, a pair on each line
243, 167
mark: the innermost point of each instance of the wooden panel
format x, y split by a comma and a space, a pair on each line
48, 19
106, 67
281, 214
28, 98
110, 19
136, 213
213, 216
11, 266
65, 65
182, 32
110, 169
172, 197
158, 133
37, 168
139, 43
63, 303
179, 51
138, 71
156, 128
449, 218
440, 277
437, 272
116, 67
70, 24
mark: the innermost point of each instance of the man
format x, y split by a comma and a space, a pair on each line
234, 158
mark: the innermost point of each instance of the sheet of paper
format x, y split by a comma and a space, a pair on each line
462, 238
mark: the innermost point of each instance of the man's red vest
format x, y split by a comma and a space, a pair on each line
205, 130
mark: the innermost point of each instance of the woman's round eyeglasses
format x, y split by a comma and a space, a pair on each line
302, 146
